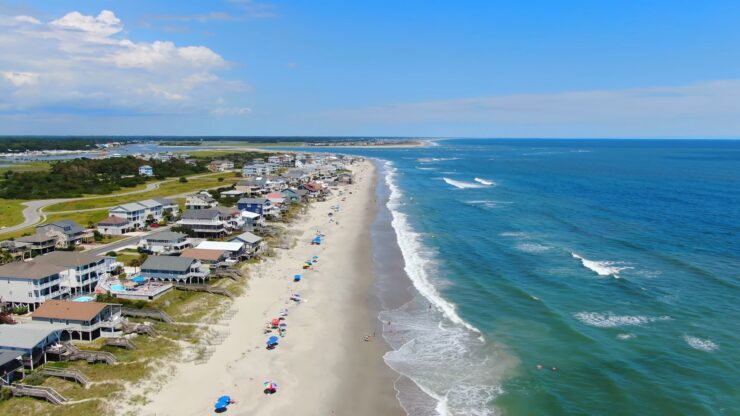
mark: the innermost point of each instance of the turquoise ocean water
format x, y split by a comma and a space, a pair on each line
615, 262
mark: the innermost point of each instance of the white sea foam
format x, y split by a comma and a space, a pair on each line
435, 159
625, 337
445, 356
425, 168
483, 202
532, 247
610, 320
486, 182
514, 234
602, 268
461, 184
700, 344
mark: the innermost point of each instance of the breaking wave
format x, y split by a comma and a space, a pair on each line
700, 344
602, 268
485, 181
532, 247
461, 184
609, 320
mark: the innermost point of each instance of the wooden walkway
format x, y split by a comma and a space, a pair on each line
67, 374
147, 313
39, 392
91, 357
205, 288
120, 342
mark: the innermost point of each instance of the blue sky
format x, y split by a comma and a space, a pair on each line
378, 68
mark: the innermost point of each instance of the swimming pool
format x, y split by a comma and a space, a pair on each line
84, 299
118, 288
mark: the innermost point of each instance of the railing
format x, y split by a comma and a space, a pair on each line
68, 374
41, 392
147, 313
205, 288
90, 356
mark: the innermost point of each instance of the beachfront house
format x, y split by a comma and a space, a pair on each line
135, 214
252, 243
174, 269
81, 271
221, 166
30, 340
114, 226
200, 201
165, 242
214, 222
141, 213
85, 321
206, 256
146, 170
235, 250
258, 169
290, 195
11, 366
251, 187
68, 232
29, 283
256, 205
252, 220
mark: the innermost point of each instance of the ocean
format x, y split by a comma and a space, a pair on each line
561, 277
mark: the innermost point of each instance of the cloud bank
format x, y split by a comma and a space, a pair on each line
80, 64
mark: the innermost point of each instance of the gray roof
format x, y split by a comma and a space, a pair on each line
168, 263
68, 258
253, 201
200, 214
69, 226
7, 356
131, 206
26, 336
149, 203
165, 236
29, 270
248, 238
165, 201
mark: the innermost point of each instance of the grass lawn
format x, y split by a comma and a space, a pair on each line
28, 166
11, 212
166, 189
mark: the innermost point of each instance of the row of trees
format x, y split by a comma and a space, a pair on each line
72, 178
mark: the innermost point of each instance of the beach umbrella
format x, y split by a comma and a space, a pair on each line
297, 278
221, 406
272, 340
315, 257
224, 399
269, 385
283, 324
276, 321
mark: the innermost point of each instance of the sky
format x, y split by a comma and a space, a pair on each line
519, 68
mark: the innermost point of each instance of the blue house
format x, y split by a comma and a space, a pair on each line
146, 170
256, 205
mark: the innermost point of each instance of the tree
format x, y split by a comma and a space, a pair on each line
111, 254
221, 179
97, 236
183, 179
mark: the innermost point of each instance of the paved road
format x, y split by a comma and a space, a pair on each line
33, 213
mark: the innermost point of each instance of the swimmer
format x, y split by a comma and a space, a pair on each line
539, 366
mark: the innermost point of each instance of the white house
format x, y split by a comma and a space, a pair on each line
146, 170
82, 271
165, 242
85, 321
137, 213
235, 250
221, 166
200, 201
258, 169
29, 283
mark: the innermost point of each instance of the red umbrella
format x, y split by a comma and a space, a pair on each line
276, 321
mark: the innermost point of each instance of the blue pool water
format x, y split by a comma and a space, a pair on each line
84, 299
118, 288
616, 262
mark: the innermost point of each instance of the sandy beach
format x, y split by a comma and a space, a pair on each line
322, 366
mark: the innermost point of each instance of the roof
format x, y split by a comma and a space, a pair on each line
250, 214
145, 167
165, 201
232, 192
248, 238
68, 258
36, 238
72, 226
221, 245
253, 201
26, 336
167, 263
149, 203
274, 195
200, 214
66, 309
131, 206
202, 254
29, 270
7, 356
112, 220
165, 236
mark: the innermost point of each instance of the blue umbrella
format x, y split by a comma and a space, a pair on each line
221, 406
297, 278
272, 340
224, 399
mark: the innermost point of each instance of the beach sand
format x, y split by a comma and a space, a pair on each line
322, 366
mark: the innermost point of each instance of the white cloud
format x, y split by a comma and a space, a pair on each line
79, 63
20, 79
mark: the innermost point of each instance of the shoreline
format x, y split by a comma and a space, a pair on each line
322, 366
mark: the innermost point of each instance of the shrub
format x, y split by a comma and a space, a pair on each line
183, 180
111, 254
20, 310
